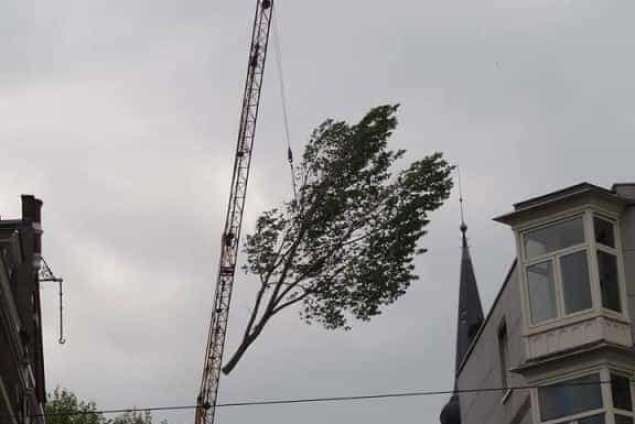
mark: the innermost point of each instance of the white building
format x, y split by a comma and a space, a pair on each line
557, 344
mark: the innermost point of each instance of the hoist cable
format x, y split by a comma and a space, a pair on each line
283, 100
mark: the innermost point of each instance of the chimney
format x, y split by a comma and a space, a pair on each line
31, 209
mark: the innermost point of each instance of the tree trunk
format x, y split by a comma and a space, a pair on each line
231, 364
244, 345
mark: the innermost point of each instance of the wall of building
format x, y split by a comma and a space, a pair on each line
482, 367
628, 246
11, 381
592, 348
22, 388
9, 401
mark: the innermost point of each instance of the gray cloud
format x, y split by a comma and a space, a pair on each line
122, 117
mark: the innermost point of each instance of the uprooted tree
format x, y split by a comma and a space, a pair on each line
344, 247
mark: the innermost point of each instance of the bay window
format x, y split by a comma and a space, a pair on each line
566, 262
582, 395
589, 399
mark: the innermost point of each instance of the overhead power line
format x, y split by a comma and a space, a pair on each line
377, 396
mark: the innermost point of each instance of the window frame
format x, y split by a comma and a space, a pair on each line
615, 251
629, 376
554, 258
587, 213
545, 256
556, 290
571, 418
608, 410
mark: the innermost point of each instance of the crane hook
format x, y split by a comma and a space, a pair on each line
61, 340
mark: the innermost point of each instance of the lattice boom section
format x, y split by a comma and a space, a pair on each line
231, 235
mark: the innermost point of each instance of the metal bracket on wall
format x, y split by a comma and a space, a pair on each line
45, 274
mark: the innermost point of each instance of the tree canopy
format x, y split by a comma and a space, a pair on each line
343, 248
64, 407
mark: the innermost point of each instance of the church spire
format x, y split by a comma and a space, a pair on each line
470, 317
470, 313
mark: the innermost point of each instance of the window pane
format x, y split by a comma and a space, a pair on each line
542, 297
575, 282
554, 237
621, 390
570, 397
623, 419
604, 232
594, 419
607, 265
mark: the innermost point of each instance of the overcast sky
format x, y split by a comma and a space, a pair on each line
122, 115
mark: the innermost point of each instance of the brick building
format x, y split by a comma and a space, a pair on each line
22, 390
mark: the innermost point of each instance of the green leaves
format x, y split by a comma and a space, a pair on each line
63, 407
133, 417
344, 248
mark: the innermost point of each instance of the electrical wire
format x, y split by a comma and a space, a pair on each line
377, 396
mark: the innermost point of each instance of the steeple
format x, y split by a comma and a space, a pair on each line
470, 318
470, 313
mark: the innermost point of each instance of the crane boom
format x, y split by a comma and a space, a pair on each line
206, 401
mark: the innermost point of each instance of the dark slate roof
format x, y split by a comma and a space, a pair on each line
451, 413
470, 313
470, 319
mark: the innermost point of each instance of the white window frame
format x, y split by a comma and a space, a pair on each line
615, 251
629, 376
587, 213
607, 397
554, 259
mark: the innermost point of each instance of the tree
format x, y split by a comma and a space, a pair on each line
343, 247
134, 417
63, 407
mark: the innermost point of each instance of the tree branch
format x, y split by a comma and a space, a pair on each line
306, 293
254, 312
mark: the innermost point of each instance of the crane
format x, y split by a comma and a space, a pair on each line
45, 274
206, 401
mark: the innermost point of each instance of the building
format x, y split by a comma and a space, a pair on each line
557, 345
22, 391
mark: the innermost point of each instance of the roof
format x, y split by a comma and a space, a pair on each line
487, 318
470, 310
568, 193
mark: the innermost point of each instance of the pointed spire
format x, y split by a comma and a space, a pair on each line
470, 314
463, 226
